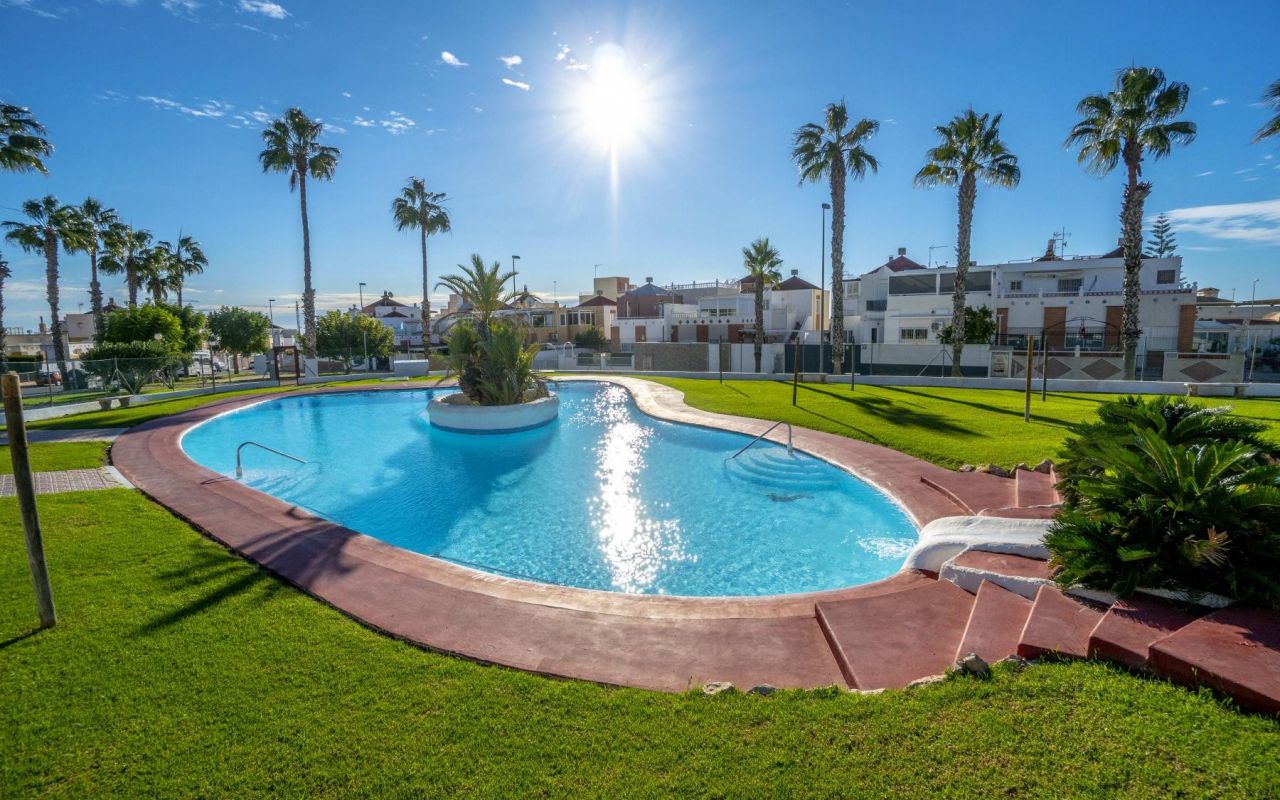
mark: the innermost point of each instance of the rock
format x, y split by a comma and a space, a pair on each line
967, 468
1022, 465
928, 680
996, 469
717, 687
972, 664
1044, 466
1017, 662
868, 691
763, 689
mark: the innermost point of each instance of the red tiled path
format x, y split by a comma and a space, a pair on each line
664, 643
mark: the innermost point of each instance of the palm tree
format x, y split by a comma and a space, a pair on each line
763, 265
292, 145
418, 208
186, 259
23, 148
51, 224
833, 150
970, 149
1134, 119
482, 288
96, 223
124, 248
157, 271
1271, 97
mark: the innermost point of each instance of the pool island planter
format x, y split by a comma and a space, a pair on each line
455, 413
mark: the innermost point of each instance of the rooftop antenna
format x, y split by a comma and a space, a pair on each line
933, 247
1060, 236
594, 269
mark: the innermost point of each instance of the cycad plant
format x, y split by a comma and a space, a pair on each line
763, 265
1191, 519
971, 150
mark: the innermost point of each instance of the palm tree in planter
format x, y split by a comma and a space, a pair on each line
423, 210
490, 355
124, 249
763, 265
971, 149
1270, 98
832, 151
51, 224
1138, 117
292, 145
23, 148
97, 222
186, 258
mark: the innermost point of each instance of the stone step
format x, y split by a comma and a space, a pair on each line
887, 641
1235, 650
1058, 624
1129, 628
1018, 574
995, 624
971, 491
1034, 489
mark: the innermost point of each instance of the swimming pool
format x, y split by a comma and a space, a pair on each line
605, 498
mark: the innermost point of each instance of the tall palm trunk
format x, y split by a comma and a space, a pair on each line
837, 265
964, 232
131, 278
179, 288
95, 291
4, 273
308, 293
1135, 196
759, 346
426, 294
51, 290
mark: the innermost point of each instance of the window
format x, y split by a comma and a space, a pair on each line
973, 282
877, 305
1070, 284
1166, 276
913, 284
914, 335
1015, 286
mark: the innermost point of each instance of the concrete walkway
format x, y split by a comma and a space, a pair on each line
69, 480
69, 435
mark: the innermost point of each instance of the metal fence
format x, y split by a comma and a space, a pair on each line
87, 380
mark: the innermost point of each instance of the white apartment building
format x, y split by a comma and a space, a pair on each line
404, 320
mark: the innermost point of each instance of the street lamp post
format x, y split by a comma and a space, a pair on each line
822, 295
271, 312
362, 285
514, 259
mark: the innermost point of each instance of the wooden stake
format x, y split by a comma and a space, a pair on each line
26, 490
1031, 351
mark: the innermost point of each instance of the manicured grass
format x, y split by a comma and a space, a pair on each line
178, 670
49, 456
946, 426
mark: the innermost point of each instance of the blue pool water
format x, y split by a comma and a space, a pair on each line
603, 498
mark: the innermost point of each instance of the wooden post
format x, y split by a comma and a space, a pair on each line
795, 376
1031, 354
26, 490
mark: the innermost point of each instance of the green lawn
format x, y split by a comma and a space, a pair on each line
49, 456
946, 426
179, 670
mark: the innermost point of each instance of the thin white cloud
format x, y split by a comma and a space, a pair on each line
1244, 171
1204, 174
28, 5
452, 60
394, 123
563, 52
518, 84
212, 109
511, 62
346, 94
183, 8
575, 65
1221, 101
1257, 222
263, 7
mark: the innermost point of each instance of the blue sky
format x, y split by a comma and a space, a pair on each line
155, 107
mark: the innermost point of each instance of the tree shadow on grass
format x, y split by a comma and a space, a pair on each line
906, 415
1054, 421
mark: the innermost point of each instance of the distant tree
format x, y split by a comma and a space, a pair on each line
590, 339
186, 258
763, 265
1138, 117
23, 148
1270, 98
832, 151
124, 250
292, 145
156, 273
979, 327
971, 149
50, 224
240, 332
418, 208
195, 326
141, 324
343, 336
1163, 244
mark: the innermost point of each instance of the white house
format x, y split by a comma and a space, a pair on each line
404, 320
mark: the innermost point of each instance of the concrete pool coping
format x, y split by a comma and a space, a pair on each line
654, 642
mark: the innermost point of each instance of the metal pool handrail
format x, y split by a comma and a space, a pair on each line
243, 445
766, 433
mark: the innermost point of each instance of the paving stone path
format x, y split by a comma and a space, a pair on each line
70, 435
69, 480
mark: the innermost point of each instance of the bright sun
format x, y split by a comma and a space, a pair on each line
613, 104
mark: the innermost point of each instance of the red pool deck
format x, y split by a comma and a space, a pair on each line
662, 643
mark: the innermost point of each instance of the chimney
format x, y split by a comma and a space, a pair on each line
599, 292
902, 251
648, 280
795, 272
